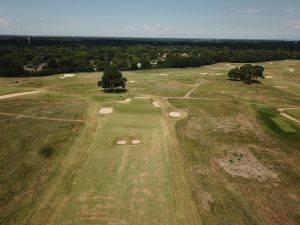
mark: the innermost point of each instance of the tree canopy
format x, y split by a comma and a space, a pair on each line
112, 79
247, 73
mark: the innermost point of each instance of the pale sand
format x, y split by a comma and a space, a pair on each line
281, 86
18, 94
156, 104
142, 97
132, 81
135, 142
122, 142
106, 110
163, 74
291, 70
67, 76
175, 114
268, 77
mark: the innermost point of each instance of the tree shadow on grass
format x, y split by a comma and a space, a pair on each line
118, 90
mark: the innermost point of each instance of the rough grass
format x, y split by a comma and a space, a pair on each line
75, 173
294, 113
283, 125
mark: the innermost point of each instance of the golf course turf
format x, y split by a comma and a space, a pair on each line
181, 146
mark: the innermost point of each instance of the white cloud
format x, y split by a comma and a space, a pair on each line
42, 18
4, 23
295, 24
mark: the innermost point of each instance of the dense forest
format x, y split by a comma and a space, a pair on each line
40, 56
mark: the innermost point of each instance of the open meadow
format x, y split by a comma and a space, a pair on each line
229, 153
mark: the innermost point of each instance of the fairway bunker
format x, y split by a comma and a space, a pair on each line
203, 73
67, 76
268, 77
291, 70
121, 142
175, 114
132, 81
163, 74
136, 142
156, 104
245, 164
106, 110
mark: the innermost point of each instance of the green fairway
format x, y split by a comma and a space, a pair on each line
229, 157
283, 125
294, 113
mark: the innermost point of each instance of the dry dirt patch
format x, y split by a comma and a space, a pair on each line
245, 164
106, 110
175, 114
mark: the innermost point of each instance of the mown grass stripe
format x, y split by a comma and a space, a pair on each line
283, 125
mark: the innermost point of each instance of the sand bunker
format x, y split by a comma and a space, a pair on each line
175, 114
135, 142
203, 73
245, 164
218, 74
132, 81
163, 74
268, 77
121, 142
106, 110
156, 104
291, 70
270, 63
67, 76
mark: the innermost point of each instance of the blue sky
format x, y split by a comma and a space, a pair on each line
263, 19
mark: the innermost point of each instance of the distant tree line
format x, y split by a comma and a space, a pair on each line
51, 56
247, 73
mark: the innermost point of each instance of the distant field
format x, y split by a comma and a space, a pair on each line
230, 158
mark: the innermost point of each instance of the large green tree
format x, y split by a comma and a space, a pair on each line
112, 79
247, 73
